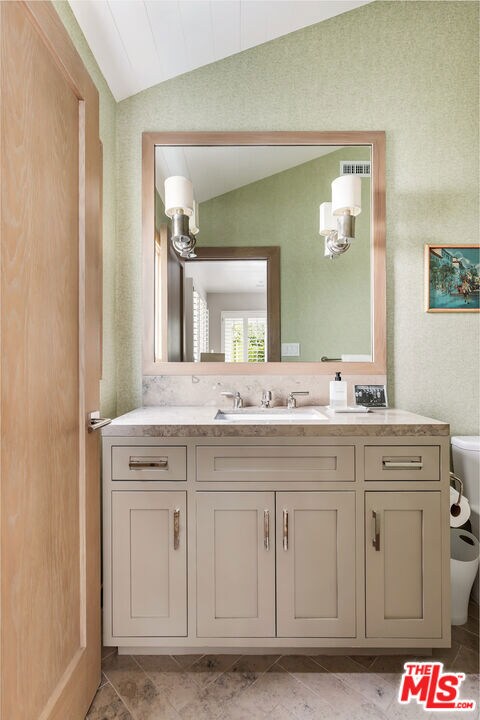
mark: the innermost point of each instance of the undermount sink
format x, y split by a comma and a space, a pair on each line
270, 414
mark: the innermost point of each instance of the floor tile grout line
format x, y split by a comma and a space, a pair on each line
207, 684
187, 667
152, 680
105, 657
125, 705
308, 686
154, 683
467, 631
104, 681
261, 672
174, 660
366, 668
247, 687
390, 705
360, 695
456, 655
345, 682
362, 670
137, 663
130, 710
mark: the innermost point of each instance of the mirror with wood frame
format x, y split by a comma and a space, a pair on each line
237, 277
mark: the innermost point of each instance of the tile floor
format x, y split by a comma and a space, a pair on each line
273, 687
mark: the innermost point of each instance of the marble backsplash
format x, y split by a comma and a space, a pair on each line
188, 390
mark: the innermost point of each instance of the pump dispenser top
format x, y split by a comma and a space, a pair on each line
338, 376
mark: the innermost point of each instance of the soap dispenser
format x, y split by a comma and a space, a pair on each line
338, 392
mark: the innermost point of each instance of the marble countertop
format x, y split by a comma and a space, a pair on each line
166, 421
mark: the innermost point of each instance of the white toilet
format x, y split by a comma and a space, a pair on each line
466, 464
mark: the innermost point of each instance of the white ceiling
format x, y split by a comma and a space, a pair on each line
139, 43
228, 276
217, 170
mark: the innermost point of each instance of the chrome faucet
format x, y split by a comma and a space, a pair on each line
237, 399
292, 400
266, 398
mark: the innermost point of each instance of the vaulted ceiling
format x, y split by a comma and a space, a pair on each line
139, 43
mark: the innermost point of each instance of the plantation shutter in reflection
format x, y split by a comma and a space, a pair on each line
257, 331
244, 336
200, 326
233, 339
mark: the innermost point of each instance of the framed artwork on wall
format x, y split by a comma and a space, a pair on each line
452, 278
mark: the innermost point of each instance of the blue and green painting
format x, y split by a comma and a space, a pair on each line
454, 277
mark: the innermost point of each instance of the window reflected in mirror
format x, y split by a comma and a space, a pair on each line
225, 311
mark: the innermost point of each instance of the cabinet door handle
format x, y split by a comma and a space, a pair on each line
285, 529
266, 529
147, 463
401, 465
376, 531
176, 529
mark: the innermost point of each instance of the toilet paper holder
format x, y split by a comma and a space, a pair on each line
455, 508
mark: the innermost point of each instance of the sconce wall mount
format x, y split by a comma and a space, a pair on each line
182, 209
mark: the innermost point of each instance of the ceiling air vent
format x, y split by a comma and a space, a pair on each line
355, 167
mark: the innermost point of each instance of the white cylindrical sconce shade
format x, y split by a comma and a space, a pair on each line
347, 195
193, 220
178, 195
327, 221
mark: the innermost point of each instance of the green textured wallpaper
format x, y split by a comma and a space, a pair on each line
325, 305
409, 68
108, 110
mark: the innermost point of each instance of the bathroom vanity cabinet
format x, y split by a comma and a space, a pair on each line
306, 535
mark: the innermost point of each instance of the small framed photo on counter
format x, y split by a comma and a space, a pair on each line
371, 396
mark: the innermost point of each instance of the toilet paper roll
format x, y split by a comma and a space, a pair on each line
462, 518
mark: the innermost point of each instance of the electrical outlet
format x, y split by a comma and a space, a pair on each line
290, 349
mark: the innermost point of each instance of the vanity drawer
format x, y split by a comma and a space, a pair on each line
402, 462
149, 463
270, 463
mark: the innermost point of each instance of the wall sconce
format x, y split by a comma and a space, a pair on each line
337, 218
181, 207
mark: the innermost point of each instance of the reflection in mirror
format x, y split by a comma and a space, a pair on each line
251, 196
226, 311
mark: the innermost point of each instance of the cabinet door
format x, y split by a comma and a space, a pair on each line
316, 564
149, 568
403, 564
235, 564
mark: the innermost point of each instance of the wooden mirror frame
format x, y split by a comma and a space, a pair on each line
376, 141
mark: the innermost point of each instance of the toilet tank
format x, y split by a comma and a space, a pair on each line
466, 464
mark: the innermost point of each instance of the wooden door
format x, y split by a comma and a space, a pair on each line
315, 564
236, 564
50, 370
149, 563
403, 564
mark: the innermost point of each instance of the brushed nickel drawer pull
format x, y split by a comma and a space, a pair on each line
147, 463
176, 529
285, 529
266, 529
403, 464
376, 531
